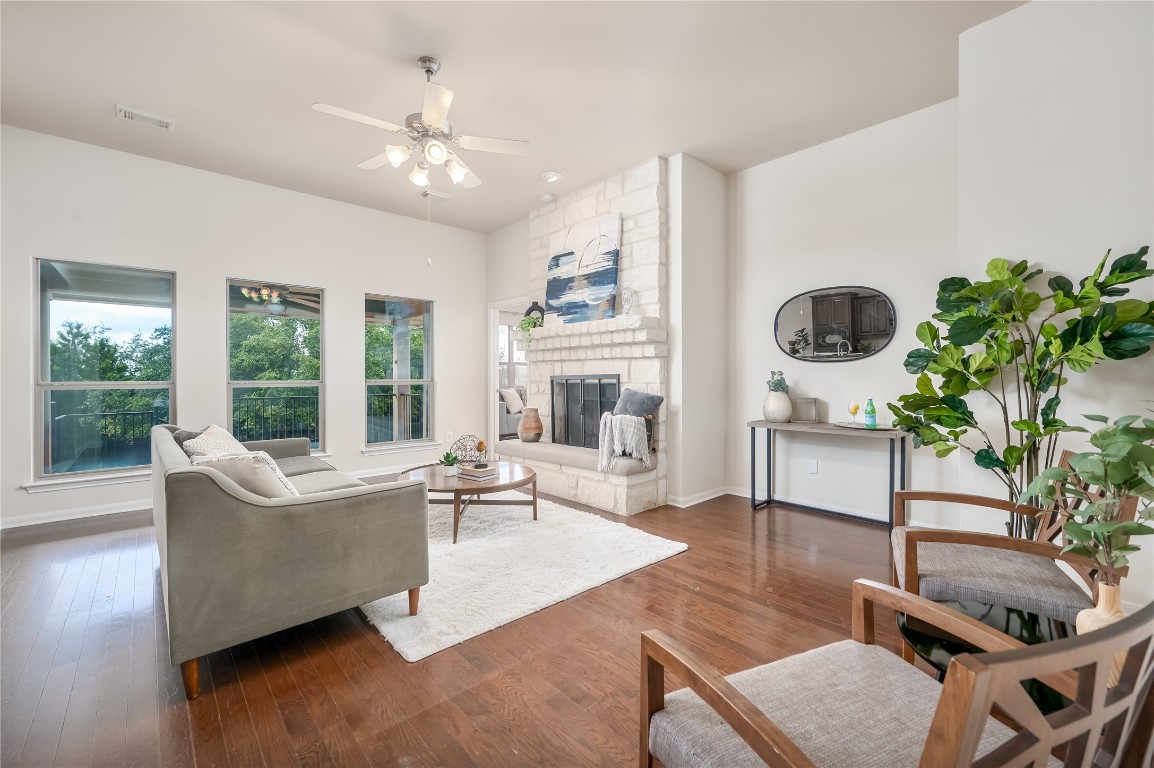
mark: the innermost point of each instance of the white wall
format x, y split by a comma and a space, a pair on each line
508, 262
876, 208
1056, 159
698, 322
71, 201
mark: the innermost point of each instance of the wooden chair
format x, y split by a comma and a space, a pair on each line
1021, 574
855, 704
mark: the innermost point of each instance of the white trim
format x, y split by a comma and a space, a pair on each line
697, 498
56, 516
410, 445
86, 481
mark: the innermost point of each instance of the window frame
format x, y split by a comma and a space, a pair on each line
42, 384
429, 380
233, 384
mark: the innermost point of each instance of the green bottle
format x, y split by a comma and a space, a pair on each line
871, 414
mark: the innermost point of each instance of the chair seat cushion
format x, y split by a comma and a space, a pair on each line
319, 482
972, 573
292, 466
845, 704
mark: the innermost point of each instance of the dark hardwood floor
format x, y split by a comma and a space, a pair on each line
85, 677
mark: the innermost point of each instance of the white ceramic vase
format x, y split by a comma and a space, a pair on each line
777, 407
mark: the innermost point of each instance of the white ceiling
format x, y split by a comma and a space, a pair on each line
596, 86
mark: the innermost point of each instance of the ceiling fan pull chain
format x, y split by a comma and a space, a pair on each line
429, 227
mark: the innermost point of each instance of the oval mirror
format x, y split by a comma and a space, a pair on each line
832, 325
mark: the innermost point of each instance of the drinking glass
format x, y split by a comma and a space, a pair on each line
854, 407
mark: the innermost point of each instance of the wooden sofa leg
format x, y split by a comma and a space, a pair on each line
190, 671
414, 598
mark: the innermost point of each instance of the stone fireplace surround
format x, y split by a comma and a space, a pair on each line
631, 346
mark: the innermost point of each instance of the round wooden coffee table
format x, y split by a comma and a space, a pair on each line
467, 493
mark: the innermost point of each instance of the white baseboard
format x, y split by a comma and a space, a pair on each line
78, 513
688, 501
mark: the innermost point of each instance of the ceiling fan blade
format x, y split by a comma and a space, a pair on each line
436, 109
373, 163
504, 146
328, 109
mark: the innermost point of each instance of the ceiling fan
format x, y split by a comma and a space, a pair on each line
430, 136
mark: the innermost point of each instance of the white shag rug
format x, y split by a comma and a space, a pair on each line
504, 566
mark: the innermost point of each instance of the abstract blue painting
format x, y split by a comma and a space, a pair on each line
581, 280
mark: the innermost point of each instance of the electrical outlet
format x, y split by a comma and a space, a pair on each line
813, 466
448, 436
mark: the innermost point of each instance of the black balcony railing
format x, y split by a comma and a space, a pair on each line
78, 442
381, 409
273, 417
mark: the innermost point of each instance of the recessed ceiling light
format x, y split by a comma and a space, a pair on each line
546, 197
551, 176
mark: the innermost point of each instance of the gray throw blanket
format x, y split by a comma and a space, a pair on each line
621, 436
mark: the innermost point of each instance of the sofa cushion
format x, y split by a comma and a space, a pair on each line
255, 472
319, 482
292, 466
213, 441
513, 401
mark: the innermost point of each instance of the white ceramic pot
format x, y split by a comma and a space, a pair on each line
777, 407
449, 471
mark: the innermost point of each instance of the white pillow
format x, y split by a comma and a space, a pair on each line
255, 472
512, 400
214, 441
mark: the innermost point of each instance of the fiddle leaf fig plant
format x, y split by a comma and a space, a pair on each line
1121, 467
1008, 340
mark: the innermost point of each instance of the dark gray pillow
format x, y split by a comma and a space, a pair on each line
181, 435
634, 403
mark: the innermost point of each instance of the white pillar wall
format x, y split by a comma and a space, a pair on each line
633, 345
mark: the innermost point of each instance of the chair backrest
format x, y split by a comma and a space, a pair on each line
1110, 726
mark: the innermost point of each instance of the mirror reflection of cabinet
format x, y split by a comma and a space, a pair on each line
872, 316
835, 324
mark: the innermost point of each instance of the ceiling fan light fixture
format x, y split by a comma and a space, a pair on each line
435, 152
275, 308
456, 171
397, 154
420, 175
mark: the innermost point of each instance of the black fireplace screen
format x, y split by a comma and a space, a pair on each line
577, 404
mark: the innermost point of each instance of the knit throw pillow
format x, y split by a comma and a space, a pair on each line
255, 472
213, 441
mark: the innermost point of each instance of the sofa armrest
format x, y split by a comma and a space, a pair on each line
283, 448
241, 566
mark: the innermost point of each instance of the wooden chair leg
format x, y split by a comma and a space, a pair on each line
190, 671
414, 598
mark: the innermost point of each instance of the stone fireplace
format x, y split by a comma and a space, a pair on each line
631, 347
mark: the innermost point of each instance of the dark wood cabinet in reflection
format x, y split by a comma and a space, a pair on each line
872, 317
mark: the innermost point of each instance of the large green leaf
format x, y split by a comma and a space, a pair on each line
927, 333
998, 269
970, 328
951, 357
1058, 283
1049, 408
986, 458
1131, 340
918, 359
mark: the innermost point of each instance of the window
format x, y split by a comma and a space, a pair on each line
512, 365
274, 361
105, 365
398, 375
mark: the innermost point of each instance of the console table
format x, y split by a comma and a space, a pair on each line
895, 437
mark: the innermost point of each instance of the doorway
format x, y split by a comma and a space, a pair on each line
508, 365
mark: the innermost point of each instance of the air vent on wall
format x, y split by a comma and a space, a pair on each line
145, 118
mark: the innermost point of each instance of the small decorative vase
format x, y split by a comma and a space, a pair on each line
777, 407
449, 471
530, 428
1105, 612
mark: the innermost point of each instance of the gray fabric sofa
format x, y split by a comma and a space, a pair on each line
235, 566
